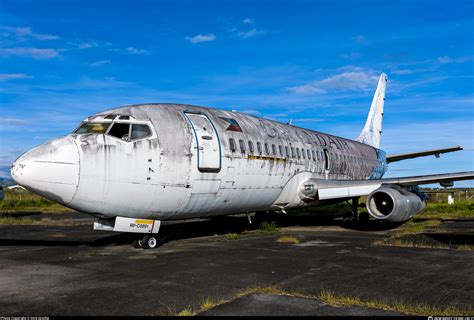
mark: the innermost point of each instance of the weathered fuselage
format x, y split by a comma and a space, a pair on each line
197, 162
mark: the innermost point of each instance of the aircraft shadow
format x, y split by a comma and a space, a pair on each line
204, 227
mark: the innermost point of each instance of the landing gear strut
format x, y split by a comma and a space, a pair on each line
354, 215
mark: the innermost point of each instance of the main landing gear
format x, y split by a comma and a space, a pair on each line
146, 242
354, 216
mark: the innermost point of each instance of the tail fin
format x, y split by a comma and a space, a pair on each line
373, 127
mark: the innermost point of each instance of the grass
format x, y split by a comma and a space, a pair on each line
288, 239
17, 221
268, 228
186, 313
206, 304
413, 227
58, 235
233, 236
429, 220
446, 211
331, 298
23, 200
419, 309
90, 252
42, 222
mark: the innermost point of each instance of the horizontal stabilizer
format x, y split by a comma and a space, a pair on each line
435, 152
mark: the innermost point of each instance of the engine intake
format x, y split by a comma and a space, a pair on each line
395, 204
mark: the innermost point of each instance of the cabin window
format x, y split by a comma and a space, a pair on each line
267, 150
92, 127
120, 130
292, 152
314, 156
251, 146
259, 147
303, 153
298, 154
280, 148
242, 146
140, 131
287, 151
309, 154
233, 147
274, 149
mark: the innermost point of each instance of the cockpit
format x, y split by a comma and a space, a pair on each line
122, 127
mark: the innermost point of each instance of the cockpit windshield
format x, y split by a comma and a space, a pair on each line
124, 130
92, 127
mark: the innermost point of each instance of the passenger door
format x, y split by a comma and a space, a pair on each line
327, 163
207, 141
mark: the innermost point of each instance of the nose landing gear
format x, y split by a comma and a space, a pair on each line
146, 242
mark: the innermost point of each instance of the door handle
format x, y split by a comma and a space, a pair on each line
206, 137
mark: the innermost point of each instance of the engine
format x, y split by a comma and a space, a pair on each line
395, 204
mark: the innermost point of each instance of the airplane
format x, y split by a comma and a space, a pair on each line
135, 166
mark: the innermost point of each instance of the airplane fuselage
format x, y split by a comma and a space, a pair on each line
193, 162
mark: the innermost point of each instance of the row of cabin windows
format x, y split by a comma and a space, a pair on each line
294, 152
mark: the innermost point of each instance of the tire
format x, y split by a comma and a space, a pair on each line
149, 242
137, 244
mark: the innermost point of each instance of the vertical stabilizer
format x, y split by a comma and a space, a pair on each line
373, 127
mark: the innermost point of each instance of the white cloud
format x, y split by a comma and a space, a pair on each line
25, 33
34, 53
87, 45
201, 38
249, 34
355, 79
99, 63
8, 121
444, 59
13, 76
133, 50
247, 21
360, 39
43, 37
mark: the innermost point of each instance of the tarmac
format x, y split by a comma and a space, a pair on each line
73, 270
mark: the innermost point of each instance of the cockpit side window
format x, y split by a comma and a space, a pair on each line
140, 131
92, 127
120, 130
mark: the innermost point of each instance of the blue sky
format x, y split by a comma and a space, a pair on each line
315, 62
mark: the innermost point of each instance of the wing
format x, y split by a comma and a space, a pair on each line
333, 189
436, 152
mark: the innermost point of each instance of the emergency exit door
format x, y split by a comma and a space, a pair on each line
208, 148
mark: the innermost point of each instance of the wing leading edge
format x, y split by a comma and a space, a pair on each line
333, 189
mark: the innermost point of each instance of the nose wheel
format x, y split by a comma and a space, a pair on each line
147, 242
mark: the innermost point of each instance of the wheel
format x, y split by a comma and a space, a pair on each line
137, 243
348, 218
149, 242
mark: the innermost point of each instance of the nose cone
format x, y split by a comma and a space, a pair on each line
50, 170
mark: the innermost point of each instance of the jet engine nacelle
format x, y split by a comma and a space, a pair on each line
394, 204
